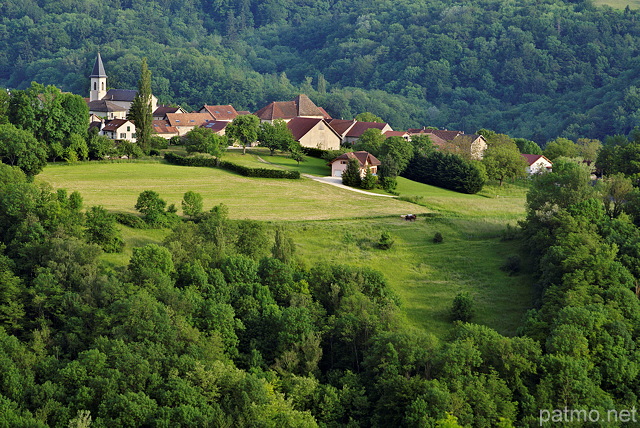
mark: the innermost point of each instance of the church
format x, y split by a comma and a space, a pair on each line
110, 103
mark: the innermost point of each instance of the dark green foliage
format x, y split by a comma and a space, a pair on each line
140, 112
388, 173
20, 148
244, 130
151, 206
284, 249
446, 170
512, 265
131, 220
527, 147
437, 238
158, 143
369, 180
351, 175
102, 230
386, 241
192, 204
240, 169
399, 149
462, 308
204, 140
275, 136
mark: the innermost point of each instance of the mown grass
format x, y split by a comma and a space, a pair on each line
339, 226
116, 187
618, 4
425, 275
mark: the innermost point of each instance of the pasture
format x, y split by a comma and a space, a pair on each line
340, 226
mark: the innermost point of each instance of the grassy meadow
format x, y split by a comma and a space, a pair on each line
618, 4
337, 225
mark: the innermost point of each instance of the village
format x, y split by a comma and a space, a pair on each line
310, 125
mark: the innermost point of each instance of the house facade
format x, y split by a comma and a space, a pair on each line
118, 130
314, 133
365, 159
537, 164
185, 122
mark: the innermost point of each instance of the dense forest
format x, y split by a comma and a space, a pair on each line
533, 69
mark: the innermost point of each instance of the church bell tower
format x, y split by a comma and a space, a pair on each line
98, 81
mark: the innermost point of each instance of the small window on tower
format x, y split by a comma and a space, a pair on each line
95, 86
103, 86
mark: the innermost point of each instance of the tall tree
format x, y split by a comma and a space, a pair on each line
244, 129
504, 162
140, 112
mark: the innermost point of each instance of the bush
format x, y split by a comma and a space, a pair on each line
351, 175
313, 152
462, 309
437, 238
158, 143
369, 181
240, 169
512, 265
446, 170
131, 220
386, 241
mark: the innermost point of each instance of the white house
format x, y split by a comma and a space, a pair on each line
119, 129
314, 133
365, 159
537, 164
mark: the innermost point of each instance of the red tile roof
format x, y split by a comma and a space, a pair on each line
225, 112
341, 126
359, 127
216, 126
531, 159
163, 110
300, 106
163, 127
188, 119
300, 126
114, 124
362, 157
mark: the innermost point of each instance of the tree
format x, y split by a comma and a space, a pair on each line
296, 153
370, 141
151, 206
244, 129
369, 117
204, 140
369, 180
102, 230
284, 248
504, 162
99, 145
140, 112
351, 175
616, 190
388, 173
588, 148
422, 145
275, 136
560, 147
192, 204
399, 149
527, 147
462, 308
20, 148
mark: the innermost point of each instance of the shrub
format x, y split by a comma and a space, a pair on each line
240, 169
446, 170
462, 308
351, 175
131, 220
386, 241
512, 265
192, 204
369, 181
437, 238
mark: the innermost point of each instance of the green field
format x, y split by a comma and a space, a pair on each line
341, 226
618, 4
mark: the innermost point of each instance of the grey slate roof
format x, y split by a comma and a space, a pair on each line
104, 106
98, 68
120, 95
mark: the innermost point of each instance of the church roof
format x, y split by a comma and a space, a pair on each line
120, 95
300, 106
104, 106
98, 68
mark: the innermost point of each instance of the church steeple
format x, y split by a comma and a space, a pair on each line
98, 80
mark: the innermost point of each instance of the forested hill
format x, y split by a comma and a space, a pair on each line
532, 68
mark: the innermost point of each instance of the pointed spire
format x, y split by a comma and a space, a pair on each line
98, 68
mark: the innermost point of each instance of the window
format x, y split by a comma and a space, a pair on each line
134, 135
103, 86
123, 135
95, 86
128, 129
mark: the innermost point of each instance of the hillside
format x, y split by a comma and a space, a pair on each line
533, 69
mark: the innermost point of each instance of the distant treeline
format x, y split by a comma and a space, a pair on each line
535, 69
